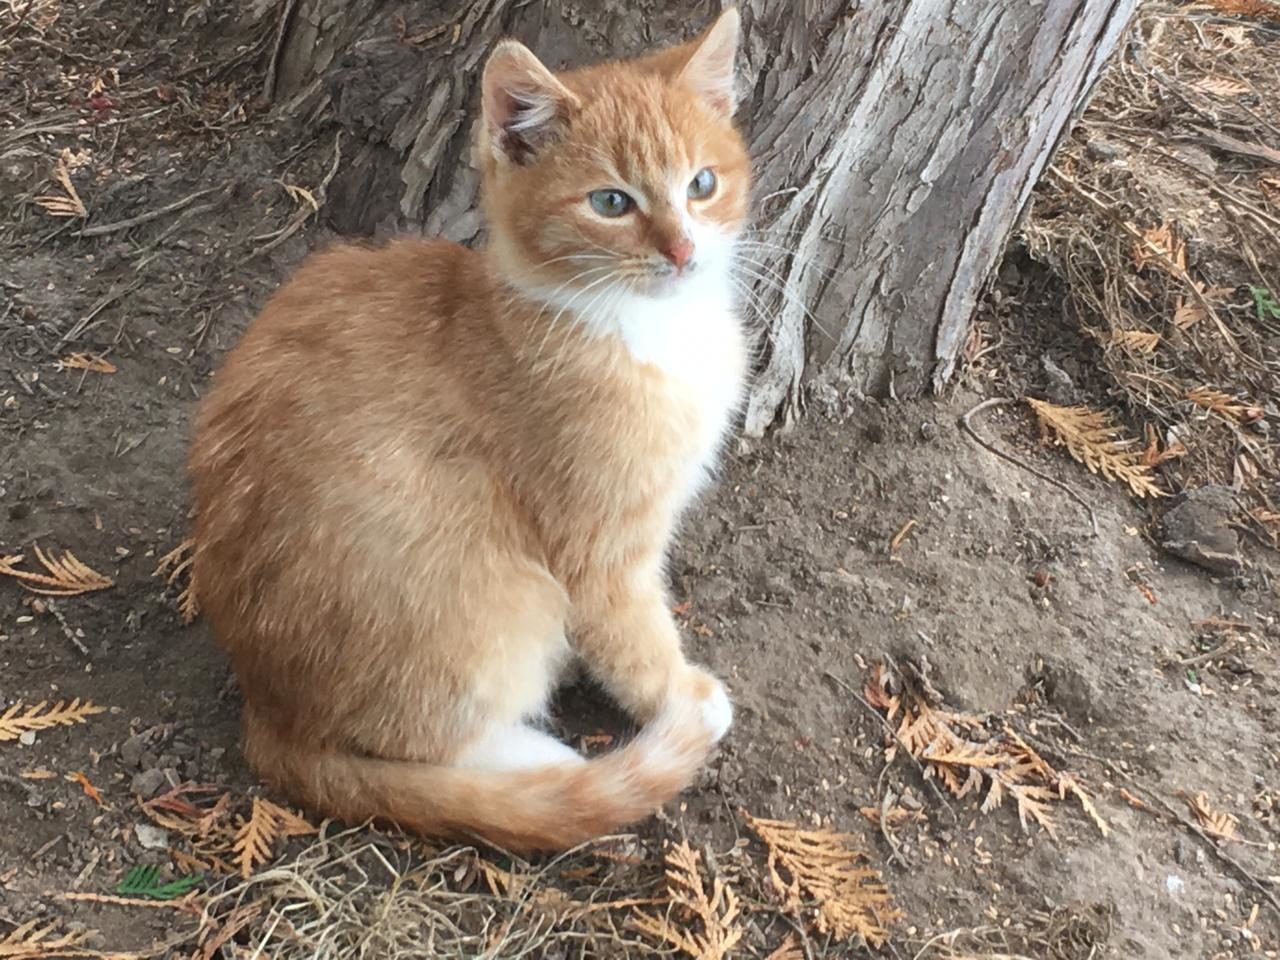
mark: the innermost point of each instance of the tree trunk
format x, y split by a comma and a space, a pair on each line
895, 145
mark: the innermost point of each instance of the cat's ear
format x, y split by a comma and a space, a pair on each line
524, 105
709, 67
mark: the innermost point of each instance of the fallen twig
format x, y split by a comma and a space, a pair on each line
966, 421
902, 747
1242, 872
105, 228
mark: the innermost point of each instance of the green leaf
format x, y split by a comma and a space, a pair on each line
145, 881
1264, 303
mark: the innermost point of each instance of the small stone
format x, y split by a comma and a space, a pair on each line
1101, 150
27, 738
131, 751
1197, 529
151, 837
928, 431
1181, 853
148, 783
19, 511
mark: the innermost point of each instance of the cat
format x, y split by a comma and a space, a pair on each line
428, 476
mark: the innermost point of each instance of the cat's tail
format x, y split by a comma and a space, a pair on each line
544, 808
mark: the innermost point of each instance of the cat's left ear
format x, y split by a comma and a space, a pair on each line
524, 105
709, 69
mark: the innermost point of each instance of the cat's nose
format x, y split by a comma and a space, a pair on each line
679, 252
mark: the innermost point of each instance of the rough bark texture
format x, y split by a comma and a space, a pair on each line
896, 144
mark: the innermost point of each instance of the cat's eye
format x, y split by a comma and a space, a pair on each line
610, 203
702, 185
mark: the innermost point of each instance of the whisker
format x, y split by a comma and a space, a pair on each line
804, 264
773, 283
552, 325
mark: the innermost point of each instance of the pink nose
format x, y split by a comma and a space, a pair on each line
680, 252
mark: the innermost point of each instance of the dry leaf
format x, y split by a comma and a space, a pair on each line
291, 824
172, 566
1136, 341
1136, 802
30, 941
893, 817
67, 577
86, 361
1270, 187
15, 721
256, 837
1226, 406
1221, 86
69, 205
849, 897
1261, 9
1093, 440
1153, 456
1216, 823
87, 786
716, 912
1161, 246
959, 750
1188, 314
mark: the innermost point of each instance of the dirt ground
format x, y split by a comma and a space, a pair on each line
1147, 678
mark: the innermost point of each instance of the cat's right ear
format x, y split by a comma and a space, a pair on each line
524, 105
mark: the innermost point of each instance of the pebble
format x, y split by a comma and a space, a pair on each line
131, 751
151, 837
148, 783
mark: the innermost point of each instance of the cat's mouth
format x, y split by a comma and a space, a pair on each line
665, 281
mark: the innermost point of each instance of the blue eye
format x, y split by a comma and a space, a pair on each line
702, 185
610, 203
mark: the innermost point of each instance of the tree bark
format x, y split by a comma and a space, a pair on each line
895, 147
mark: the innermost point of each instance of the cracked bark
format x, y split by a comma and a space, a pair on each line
895, 146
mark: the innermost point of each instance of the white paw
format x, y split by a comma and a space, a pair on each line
717, 712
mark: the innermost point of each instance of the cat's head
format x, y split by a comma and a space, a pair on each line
625, 179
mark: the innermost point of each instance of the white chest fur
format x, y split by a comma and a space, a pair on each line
695, 340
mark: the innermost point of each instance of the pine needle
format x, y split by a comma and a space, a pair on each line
172, 566
15, 721
1092, 439
847, 897
69, 204
1137, 341
32, 942
256, 837
66, 577
1162, 246
716, 913
86, 361
1229, 408
1216, 823
960, 752
145, 882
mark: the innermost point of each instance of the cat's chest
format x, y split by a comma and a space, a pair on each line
693, 348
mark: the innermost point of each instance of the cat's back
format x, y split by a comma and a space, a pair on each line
354, 293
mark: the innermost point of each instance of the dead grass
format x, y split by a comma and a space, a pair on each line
1162, 216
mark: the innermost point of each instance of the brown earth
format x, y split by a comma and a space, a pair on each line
1091, 646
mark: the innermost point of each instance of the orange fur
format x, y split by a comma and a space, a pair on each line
428, 476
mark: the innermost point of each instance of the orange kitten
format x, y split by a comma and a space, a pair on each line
428, 476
